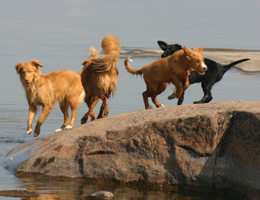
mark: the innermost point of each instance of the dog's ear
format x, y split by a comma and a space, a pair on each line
36, 63
186, 50
18, 67
163, 45
199, 49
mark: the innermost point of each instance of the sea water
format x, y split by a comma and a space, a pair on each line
58, 33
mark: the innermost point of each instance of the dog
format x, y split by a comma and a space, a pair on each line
99, 77
214, 73
172, 69
63, 86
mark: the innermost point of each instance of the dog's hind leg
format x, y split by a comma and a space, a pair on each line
91, 102
161, 87
64, 108
206, 87
156, 102
104, 108
32, 112
147, 94
45, 112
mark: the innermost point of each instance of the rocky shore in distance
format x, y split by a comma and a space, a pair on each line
222, 56
209, 147
228, 56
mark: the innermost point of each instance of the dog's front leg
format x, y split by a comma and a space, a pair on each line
32, 112
185, 85
179, 88
45, 112
181, 99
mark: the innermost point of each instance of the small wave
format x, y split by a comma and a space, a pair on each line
140, 52
12, 140
223, 56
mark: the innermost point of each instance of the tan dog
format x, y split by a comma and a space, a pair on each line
99, 77
173, 69
63, 86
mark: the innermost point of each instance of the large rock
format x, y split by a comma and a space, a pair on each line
212, 146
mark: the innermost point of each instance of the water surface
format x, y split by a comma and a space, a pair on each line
57, 33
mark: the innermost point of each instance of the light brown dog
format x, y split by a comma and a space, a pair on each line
173, 69
63, 86
99, 77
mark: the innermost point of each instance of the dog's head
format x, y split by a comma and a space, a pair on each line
168, 49
28, 71
195, 60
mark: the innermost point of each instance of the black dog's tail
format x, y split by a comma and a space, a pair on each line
227, 67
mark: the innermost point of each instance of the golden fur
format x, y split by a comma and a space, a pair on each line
63, 86
173, 69
99, 76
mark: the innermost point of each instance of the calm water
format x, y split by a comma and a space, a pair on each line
57, 33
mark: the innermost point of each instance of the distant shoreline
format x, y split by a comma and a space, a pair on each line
226, 57
223, 56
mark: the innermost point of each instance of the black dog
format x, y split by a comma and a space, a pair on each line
214, 73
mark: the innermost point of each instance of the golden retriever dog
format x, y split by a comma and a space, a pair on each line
173, 69
99, 77
63, 86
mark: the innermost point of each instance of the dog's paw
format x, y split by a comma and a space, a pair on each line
84, 120
68, 127
58, 130
29, 132
162, 105
172, 96
149, 107
36, 134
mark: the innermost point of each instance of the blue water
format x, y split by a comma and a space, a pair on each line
58, 33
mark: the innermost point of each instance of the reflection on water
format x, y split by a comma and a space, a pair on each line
50, 189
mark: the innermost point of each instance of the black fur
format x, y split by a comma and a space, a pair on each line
214, 73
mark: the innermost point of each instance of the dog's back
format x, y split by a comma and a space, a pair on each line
65, 84
57, 86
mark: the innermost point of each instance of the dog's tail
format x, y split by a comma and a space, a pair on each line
227, 67
111, 45
130, 69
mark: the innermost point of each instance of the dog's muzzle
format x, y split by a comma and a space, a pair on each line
204, 67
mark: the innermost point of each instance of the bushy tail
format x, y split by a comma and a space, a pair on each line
92, 58
111, 45
227, 67
111, 48
130, 69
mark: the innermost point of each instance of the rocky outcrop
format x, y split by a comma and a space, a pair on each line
212, 147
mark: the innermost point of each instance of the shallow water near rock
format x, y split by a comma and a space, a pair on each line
235, 85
